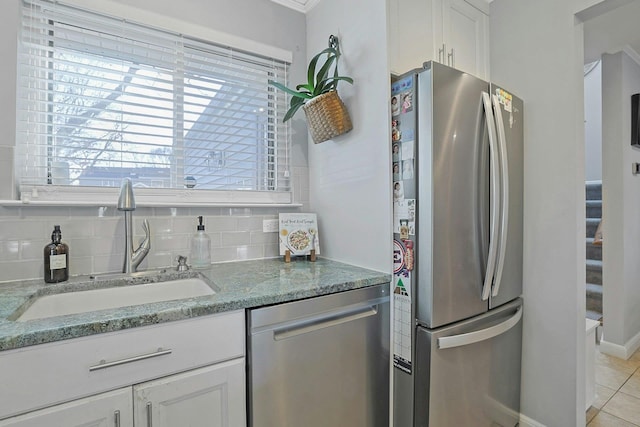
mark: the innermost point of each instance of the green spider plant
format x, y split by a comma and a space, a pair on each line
317, 83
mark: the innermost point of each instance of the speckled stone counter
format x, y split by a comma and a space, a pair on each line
238, 285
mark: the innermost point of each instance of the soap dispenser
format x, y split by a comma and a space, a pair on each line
200, 247
56, 258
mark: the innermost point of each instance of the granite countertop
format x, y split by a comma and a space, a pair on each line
238, 285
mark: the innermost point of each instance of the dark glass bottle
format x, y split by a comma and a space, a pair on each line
56, 258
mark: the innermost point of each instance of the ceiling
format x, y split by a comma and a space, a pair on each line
300, 5
613, 31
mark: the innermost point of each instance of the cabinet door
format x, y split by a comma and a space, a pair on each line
208, 397
113, 409
411, 34
465, 34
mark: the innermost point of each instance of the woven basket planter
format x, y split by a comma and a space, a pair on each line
327, 117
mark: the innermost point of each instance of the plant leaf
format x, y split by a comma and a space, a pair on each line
291, 92
332, 83
322, 74
312, 65
306, 87
296, 103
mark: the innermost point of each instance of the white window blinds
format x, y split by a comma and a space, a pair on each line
100, 99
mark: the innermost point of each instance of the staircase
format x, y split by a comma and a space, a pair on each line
594, 252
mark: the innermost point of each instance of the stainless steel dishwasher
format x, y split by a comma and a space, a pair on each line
320, 362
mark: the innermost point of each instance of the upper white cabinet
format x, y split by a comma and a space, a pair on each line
453, 32
465, 38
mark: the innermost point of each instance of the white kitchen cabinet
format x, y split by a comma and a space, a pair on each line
192, 368
110, 409
212, 397
453, 32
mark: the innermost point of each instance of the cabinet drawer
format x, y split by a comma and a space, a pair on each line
39, 376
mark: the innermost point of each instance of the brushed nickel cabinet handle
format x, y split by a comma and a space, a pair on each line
116, 418
104, 364
441, 53
149, 415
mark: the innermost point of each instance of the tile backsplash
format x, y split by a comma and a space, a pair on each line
95, 235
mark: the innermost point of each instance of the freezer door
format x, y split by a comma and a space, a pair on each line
508, 110
453, 196
468, 374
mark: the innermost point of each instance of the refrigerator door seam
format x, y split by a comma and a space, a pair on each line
481, 335
495, 197
504, 214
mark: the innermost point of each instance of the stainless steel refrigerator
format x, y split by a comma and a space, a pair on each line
457, 147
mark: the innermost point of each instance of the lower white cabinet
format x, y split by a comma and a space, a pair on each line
111, 409
213, 396
182, 373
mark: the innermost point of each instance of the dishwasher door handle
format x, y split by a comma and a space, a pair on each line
321, 322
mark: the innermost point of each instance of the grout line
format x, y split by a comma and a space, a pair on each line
618, 418
637, 369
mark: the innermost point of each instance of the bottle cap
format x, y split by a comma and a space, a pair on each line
56, 232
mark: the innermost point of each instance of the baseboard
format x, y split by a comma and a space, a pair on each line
529, 422
620, 351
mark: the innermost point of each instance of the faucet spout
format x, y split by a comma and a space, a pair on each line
127, 204
126, 201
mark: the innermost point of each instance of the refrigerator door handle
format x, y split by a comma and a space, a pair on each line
495, 197
504, 191
481, 335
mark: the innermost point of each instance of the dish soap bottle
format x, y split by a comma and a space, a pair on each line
200, 248
56, 258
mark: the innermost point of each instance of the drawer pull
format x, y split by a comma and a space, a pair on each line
104, 364
116, 416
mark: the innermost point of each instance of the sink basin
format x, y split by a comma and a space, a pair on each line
114, 297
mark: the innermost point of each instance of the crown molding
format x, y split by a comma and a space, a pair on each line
303, 6
632, 53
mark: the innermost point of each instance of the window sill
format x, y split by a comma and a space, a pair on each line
69, 203
68, 196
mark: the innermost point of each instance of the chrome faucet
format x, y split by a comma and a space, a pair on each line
127, 203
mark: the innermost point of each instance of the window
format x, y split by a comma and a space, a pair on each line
101, 99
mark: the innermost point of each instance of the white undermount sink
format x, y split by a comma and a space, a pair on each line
114, 297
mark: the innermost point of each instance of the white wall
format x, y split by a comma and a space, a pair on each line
9, 21
621, 207
350, 180
95, 236
536, 51
593, 123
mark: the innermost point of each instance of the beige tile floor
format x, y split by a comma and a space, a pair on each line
617, 392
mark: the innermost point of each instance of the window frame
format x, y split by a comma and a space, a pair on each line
51, 194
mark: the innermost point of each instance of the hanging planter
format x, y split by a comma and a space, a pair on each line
327, 116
